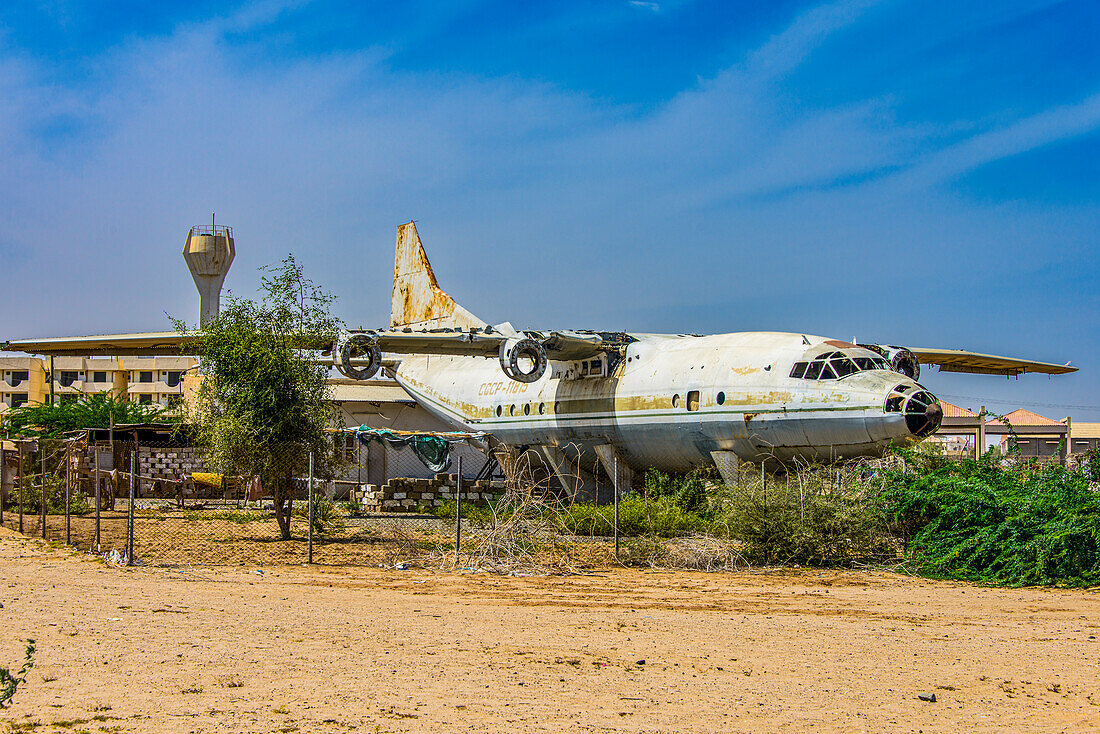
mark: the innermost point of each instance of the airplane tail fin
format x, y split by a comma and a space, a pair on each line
418, 301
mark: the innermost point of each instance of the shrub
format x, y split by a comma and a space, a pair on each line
55, 497
1014, 525
813, 517
480, 515
661, 517
326, 515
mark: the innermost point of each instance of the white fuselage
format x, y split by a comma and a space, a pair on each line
671, 400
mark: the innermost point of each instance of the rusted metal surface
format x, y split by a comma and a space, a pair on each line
418, 301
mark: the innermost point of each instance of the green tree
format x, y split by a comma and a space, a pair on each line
89, 410
262, 403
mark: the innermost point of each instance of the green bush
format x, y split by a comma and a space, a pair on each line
661, 517
327, 517
690, 492
1014, 525
55, 497
470, 512
811, 517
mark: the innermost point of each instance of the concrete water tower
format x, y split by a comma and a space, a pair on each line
209, 253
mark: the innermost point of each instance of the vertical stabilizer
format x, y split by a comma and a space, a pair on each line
418, 301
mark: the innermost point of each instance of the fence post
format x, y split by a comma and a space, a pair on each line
130, 509
615, 484
95, 453
458, 511
20, 486
309, 508
68, 492
42, 482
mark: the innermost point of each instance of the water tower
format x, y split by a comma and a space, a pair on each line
209, 253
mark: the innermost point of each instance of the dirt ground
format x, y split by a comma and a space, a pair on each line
326, 649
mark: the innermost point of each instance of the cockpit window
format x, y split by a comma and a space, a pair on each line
835, 365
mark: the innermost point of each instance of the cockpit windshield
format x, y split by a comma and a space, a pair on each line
835, 365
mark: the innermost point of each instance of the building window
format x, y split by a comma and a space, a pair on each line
99, 377
174, 377
17, 377
145, 399
145, 377
19, 398
68, 377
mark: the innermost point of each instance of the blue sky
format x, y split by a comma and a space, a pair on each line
917, 173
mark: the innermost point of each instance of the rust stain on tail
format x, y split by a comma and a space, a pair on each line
418, 301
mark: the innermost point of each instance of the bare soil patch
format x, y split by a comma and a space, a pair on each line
330, 649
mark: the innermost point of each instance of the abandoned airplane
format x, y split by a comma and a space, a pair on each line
669, 401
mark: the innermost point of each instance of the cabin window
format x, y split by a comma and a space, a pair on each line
527, 409
721, 398
500, 410
813, 370
511, 410
597, 367
542, 408
799, 369
584, 369
693, 400
675, 401
827, 372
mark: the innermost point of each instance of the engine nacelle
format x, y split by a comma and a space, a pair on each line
357, 347
901, 359
523, 360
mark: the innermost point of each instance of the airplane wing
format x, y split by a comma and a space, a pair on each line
558, 344
959, 360
147, 344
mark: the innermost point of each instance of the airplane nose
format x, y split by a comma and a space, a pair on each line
923, 414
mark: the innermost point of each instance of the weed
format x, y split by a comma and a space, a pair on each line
10, 683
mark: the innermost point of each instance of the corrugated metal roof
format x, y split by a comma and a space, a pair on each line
954, 411
1085, 430
1021, 417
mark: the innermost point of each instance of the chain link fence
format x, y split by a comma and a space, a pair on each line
510, 509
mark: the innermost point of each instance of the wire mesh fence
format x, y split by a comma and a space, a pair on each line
370, 502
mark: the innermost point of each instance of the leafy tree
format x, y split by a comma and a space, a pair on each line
89, 410
262, 404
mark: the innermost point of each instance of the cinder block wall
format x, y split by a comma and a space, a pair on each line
405, 495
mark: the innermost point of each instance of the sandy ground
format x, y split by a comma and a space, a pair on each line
341, 649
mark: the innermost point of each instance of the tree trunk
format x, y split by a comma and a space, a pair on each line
283, 497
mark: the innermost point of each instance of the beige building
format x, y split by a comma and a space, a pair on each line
26, 380
22, 380
157, 380
966, 434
